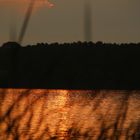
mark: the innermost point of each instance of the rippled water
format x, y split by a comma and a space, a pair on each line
69, 114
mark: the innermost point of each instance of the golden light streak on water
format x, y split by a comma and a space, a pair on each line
68, 114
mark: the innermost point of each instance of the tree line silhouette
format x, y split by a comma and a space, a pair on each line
79, 65
75, 44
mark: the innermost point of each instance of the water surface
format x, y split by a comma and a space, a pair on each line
41, 114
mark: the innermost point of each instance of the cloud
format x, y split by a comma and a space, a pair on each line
21, 5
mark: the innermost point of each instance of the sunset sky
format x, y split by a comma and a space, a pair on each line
112, 21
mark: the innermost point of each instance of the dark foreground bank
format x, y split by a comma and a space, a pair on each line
70, 66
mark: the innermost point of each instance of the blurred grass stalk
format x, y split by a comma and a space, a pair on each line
26, 21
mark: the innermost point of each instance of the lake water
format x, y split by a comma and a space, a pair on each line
40, 114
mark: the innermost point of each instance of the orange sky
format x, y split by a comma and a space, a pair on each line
112, 21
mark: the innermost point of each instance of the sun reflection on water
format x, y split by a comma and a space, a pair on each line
68, 114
